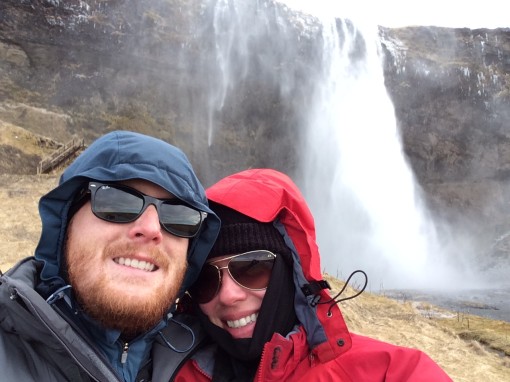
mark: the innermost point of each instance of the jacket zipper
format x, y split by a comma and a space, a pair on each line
35, 311
123, 357
258, 376
199, 369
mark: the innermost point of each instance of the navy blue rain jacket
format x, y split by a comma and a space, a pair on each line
37, 342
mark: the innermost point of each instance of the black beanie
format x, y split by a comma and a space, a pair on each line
240, 233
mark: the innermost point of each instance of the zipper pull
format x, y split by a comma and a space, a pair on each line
123, 357
13, 293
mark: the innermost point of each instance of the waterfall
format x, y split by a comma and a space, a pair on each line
368, 210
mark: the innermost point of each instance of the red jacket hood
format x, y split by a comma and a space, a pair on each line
270, 196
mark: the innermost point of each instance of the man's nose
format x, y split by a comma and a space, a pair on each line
147, 225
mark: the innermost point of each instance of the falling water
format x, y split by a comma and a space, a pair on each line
361, 189
368, 209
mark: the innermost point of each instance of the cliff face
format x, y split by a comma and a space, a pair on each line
86, 67
451, 91
156, 67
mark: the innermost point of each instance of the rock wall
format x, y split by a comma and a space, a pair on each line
451, 91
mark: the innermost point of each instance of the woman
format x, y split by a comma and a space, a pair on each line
264, 305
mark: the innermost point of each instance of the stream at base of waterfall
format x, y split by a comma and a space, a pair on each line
489, 303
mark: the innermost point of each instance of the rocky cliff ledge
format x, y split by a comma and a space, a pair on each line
451, 91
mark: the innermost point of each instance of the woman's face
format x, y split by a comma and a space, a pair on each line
234, 309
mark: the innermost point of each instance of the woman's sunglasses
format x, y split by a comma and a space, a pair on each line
121, 204
250, 270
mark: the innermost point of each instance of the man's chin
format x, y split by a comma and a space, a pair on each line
134, 293
130, 314
126, 307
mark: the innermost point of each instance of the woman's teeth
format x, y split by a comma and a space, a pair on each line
134, 263
243, 321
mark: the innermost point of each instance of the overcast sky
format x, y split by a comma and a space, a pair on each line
396, 13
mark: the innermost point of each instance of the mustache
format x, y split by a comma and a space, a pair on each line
155, 255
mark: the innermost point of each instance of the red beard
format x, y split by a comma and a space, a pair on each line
131, 315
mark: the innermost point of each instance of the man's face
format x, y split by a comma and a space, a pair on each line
125, 275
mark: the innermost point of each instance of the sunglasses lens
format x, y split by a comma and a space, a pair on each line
115, 205
118, 204
207, 285
252, 269
179, 219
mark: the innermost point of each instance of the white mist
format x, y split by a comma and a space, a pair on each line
363, 194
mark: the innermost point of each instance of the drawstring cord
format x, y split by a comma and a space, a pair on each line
58, 294
184, 326
335, 299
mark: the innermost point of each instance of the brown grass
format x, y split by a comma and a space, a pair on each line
25, 141
467, 354
20, 225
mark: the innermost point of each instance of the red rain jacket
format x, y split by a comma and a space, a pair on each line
322, 349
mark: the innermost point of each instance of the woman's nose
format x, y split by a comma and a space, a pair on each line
230, 292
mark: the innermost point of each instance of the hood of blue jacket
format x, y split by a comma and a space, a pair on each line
119, 156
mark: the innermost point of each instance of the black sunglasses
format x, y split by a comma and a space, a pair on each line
250, 270
116, 203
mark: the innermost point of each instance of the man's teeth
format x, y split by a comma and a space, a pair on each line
134, 263
243, 321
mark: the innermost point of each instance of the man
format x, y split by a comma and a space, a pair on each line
125, 232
